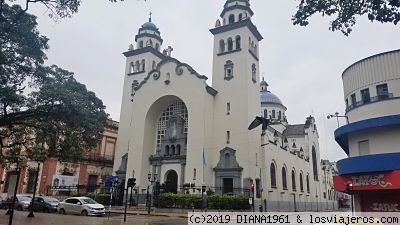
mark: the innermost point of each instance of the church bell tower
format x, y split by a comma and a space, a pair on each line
236, 78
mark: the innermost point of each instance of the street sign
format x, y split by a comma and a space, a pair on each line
112, 180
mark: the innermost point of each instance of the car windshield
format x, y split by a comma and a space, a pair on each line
88, 201
51, 200
23, 198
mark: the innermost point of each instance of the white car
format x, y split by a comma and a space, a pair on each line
81, 205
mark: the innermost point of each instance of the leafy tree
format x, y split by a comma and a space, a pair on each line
346, 11
43, 110
56, 8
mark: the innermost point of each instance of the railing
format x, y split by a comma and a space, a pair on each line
101, 158
369, 101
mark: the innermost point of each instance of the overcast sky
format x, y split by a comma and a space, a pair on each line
303, 65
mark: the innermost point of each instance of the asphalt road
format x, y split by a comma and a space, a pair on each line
20, 218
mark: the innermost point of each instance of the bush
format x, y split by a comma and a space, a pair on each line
186, 201
103, 199
225, 202
166, 200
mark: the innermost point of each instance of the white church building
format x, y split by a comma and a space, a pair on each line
183, 131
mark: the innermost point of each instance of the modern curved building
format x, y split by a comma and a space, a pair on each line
371, 138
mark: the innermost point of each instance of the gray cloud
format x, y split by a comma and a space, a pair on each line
303, 65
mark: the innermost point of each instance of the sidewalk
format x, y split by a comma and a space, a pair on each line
142, 211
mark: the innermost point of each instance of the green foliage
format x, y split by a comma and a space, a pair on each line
187, 201
346, 11
103, 199
166, 200
228, 202
43, 110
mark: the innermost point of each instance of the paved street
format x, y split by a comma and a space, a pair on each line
56, 219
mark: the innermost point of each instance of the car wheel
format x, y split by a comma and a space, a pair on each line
62, 211
84, 213
19, 208
46, 210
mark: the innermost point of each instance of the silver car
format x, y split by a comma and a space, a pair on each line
81, 205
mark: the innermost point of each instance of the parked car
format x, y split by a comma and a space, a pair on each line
22, 202
81, 205
45, 204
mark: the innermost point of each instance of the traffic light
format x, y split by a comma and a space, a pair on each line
131, 182
252, 187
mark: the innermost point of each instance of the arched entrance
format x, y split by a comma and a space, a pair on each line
171, 181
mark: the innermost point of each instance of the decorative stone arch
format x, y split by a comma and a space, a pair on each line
228, 172
156, 152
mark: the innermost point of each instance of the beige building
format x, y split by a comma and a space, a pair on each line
182, 131
55, 177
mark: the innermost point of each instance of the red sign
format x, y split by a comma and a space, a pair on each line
371, 181
388, 201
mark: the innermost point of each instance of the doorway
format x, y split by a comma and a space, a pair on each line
227, 186
171, 182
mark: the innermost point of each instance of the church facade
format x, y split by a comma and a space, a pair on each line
176, 128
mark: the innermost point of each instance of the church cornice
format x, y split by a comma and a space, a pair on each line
178, 70
233, 26
150, 36
211, 91
230, 1
229, 8
144, 50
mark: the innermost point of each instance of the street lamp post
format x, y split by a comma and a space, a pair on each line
350, 190
336, 115
151, 181
34, 192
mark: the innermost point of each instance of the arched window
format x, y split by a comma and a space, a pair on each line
172, 149
140, 44
231, 18
132, 68
284, 180
265, 113
149, 43
293, 180
238, 46
166, 150
194, 174
240, 17
221, 46
143, 65
314, 162
178, 149
157, 47
273, 113
273, 175
230, 44
279, 115
137, 67
308, 183
301, 182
